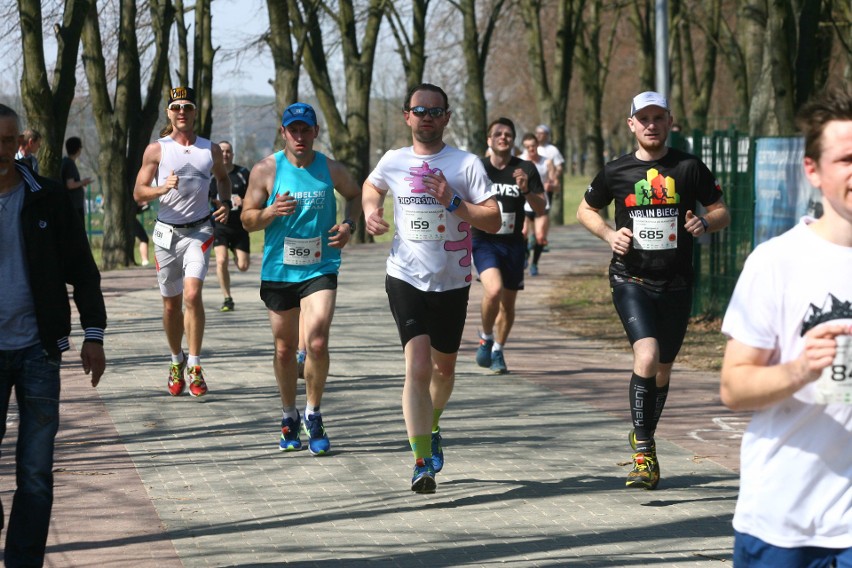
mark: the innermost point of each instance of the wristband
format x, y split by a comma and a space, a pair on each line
351, 224
704, 223
454, 203
228, 202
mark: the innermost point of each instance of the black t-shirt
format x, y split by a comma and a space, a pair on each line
508, 194
651, 199
239, 183
68, 170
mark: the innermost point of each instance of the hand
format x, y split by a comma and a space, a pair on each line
437, 186
222, 211
521, 179
375, 223
621, 240
819, 352
171, 183
693, 224
94, 361
284, 205
340, 235
86, 182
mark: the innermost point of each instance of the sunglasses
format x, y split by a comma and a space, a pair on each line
175, 107
421, 111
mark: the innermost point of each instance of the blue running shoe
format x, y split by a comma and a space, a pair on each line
533, 269
423, 480
483, 354
300, 363
318, 443
437, 452
290, 441
498, 363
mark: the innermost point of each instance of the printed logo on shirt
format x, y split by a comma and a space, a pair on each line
416, 179
655, 189
832, 309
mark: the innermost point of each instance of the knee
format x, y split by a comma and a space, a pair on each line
318, 347
242, 266
192, 298
285, 352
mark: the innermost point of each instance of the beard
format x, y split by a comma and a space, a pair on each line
428, 136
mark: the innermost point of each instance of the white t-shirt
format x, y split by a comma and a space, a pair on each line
796, 456
548, 152
193, 165
431, 247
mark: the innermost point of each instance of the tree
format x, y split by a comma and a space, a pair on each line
47, 106
707, 15
411, 47
124, 124
552, 88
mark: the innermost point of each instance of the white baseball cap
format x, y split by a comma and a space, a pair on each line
646, 99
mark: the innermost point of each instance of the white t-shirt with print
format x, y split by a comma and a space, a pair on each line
796, 456
431, 247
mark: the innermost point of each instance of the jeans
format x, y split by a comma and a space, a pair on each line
35, 378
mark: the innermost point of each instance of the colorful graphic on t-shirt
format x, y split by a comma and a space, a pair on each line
833, 309
417, 173
466, 245
656, 189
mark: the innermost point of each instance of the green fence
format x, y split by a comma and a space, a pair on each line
719, 257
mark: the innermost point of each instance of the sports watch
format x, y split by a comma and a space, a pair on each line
454, 204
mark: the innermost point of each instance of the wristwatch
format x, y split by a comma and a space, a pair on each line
454, 204
704, 223
351, 224
228, 202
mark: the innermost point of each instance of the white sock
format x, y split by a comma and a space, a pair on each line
311, 410
486, 336
193, 361
291, 412
497, 347
179, 358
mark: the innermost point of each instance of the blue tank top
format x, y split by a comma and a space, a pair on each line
296, 247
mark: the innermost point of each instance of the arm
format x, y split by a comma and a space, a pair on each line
531, 188
749, 382
344, 183
717, 218
484, 216
372, 199
223, 185
619, 241
256, 214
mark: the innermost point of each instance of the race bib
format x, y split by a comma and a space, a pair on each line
299, 252
163, 235
508, 225
425, 224
835, 383
655, 233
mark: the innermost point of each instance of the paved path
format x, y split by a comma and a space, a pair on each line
536, 459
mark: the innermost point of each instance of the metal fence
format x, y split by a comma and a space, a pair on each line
719, 257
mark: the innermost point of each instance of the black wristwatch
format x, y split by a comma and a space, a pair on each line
228, 202
454, 204
351, 224
704, 223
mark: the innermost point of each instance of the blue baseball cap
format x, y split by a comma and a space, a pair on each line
299, 112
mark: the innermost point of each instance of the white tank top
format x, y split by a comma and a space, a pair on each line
193, 165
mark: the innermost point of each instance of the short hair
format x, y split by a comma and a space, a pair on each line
228, 142
529, 136
505, 122
425, 87
7, 112
73, 145
31, 134
812, 118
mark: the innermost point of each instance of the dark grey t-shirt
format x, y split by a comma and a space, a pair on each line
17, 310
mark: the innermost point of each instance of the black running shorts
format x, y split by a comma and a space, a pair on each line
440, 315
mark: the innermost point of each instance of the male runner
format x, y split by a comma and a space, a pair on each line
499, 258
438, 193
181, 163
291, 196
656, 191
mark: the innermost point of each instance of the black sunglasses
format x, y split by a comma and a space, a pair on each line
181, 106
421, 111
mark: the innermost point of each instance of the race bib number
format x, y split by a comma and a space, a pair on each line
655, 233
508, 225
163, 235
299, 252
835, 383
425, 225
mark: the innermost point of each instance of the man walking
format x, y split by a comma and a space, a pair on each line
656, 190
177, 169
70, 175
499, 257
438, 193
291, 197
44, 247
230, 235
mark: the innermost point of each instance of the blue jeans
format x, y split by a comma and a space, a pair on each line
35, 377
751, 552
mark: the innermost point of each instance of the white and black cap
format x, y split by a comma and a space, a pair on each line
646, 99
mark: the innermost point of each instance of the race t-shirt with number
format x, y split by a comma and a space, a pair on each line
295, 247
431, 247
795, 463
509, 198
651, 199
193, 165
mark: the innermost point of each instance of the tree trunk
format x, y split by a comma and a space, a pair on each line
203, 54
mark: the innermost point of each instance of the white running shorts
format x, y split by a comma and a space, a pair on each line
187, 257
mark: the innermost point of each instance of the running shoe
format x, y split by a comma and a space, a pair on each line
631, 439
646, 471
177, 382
300, 363
437, 452
227, 305
318, 443
197, 385
498, 363
483, 354
423, 480
533, 269
290, 441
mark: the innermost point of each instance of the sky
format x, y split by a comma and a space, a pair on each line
238, 70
